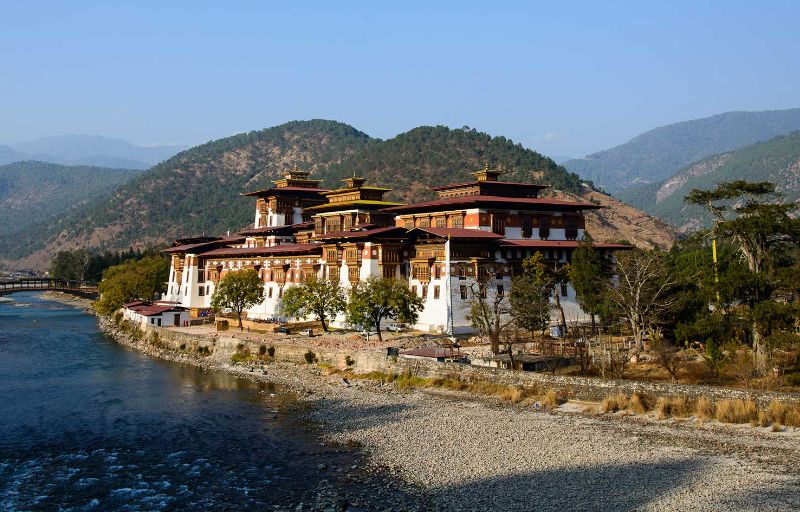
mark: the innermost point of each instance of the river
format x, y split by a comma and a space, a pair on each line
86, 424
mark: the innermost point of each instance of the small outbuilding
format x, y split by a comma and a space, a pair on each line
156, 314
433, 353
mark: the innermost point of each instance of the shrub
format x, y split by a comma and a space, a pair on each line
240, 357
311, 357
203, 351
240, 347
512, 394
117, 318
737, 411
705, 409
271, 351
262, 350
349, 361
183, 346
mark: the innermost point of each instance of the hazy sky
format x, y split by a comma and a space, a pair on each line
563, 79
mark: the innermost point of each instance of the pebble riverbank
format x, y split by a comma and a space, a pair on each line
449, 451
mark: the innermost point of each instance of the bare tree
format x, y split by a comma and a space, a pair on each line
641, 291
489, 311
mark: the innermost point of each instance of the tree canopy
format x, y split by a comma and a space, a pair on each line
133, 280
321, 298
380, 298
238, 291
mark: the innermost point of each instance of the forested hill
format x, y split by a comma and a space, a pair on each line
34, 194
658, 154
198, 190
776, 160
413, 162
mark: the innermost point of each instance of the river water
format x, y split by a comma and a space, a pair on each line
86, 424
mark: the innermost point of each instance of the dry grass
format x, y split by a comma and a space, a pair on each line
551, 400
639, 403
677, 406
614, 403
705, 409
782, 414
737, 411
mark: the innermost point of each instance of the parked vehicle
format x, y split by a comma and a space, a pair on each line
396, 327
282, 330
306, 332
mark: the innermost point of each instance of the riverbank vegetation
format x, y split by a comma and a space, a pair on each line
719, 307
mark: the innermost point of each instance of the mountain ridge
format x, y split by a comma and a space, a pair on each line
659, 153
199, 190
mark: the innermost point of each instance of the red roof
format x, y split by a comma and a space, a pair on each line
459, 233
472, 183
558, 244
273, 229
384, 231
265, 251
531, 203
201, 247
148, 309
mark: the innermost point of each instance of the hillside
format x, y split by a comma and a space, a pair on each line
34, 193
91, 150
198, 190
658, 154
776, 160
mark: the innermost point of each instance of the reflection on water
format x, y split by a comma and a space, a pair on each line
90, 425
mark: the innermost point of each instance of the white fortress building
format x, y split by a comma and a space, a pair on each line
481, 229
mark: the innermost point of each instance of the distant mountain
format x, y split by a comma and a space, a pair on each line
8, 155
93, 150
776, 160
657, 154
560, 159
199, 190
34, 195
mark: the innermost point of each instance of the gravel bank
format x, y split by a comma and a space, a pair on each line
475, 455
447, 451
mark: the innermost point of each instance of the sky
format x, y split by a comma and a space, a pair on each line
563, 78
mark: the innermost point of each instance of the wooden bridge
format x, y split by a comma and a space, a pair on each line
33, 284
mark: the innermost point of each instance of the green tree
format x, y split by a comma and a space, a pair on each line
530, 301
238, 291
749, 216
319, 297
588, 278
70, 265
132, 280
377, 298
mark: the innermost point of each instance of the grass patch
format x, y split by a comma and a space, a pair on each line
737, 411
705, 409
674, 406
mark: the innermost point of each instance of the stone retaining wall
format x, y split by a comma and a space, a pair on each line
225, 344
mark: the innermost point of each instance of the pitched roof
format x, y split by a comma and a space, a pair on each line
150, 309
276, 229
367, 233
490, 182
281, 249
527, 203
278, 190
558, 244
459, 233
350, 205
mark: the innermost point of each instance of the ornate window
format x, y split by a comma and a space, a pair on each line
436, 292
353, 274
571, 228
499, 223
544, 227
441, 222
457, 222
